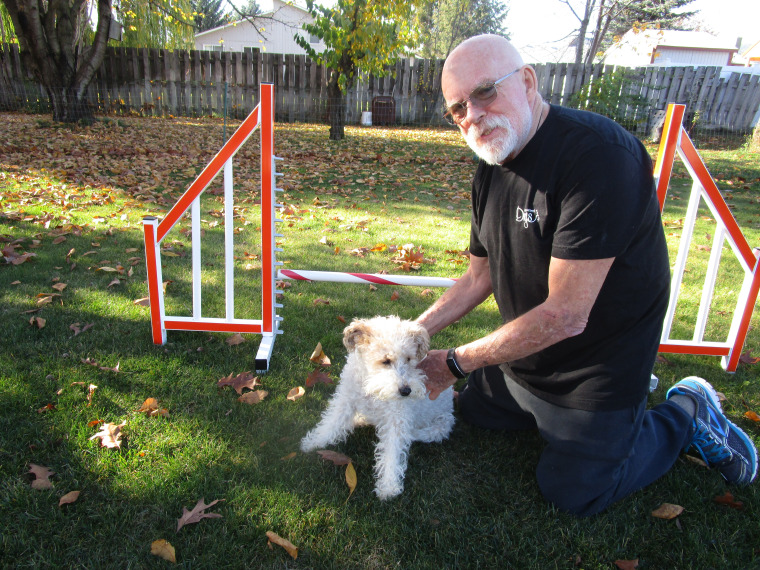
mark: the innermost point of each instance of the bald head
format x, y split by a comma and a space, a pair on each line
488, 54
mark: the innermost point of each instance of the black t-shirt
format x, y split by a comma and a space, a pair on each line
582, 188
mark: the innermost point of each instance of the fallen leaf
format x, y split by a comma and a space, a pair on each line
144, 302
38, 322
110, 435
728, 500
351, 478
68, 498
395, 296
59, 287
318, 356
750, 415
697, 460
163, 549
667, 511
242, 380
317, 376
342, 319
273, 538
289, 456
253, 397
334, 456
46, 408
235, 339
194, 516
151, 409
627, 564
41, 476
320, 302
296, 393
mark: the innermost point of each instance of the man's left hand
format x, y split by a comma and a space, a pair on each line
439, 377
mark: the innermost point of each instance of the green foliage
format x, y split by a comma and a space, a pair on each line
165, 24
364, 35
446, 23
7, 31
609, 95
208, 14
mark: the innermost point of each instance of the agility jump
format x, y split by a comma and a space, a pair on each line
675, 142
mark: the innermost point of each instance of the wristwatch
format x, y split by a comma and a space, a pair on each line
451, 362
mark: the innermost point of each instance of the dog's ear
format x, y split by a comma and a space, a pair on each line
420, 337
355, 334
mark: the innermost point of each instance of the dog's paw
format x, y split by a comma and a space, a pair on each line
385, 492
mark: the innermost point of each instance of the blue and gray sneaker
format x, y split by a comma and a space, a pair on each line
720, 443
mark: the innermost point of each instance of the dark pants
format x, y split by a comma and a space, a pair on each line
592, 459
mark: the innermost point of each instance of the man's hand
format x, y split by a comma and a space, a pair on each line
439, 377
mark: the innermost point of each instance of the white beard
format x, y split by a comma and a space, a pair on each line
497, 151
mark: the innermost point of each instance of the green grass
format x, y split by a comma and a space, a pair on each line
470, 502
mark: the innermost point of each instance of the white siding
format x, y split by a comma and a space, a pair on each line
686, 56
275, 35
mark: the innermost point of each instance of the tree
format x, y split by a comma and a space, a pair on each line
208, 14
359, 35
600, 21
166, 24
51, 44
443, 24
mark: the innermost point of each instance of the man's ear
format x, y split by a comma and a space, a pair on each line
355, 334
420, 337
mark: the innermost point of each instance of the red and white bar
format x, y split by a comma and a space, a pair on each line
374, 278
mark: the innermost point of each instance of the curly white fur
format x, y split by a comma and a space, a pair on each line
381, 386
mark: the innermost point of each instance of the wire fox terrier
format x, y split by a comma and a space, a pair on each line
381, 386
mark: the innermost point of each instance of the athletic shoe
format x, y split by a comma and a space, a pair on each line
721, 443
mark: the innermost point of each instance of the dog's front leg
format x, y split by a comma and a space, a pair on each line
336, 423
391, 457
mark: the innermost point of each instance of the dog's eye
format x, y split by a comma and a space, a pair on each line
387, 362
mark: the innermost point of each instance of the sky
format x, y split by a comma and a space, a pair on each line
536, 27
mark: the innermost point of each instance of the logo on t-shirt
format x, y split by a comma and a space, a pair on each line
526, 216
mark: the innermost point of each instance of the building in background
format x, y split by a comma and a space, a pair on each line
272, 31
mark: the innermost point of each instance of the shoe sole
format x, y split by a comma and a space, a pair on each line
715, 401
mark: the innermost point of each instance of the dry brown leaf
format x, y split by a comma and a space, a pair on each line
334, 456
68, 498
110, 435
144, 302
727, 499
289, 456
317, 376
296, 393
151, 409
395, 296
46, 408
318, 356
696, 460
627, 564
667, 511
194, 516
41, 476
351, 479
242, 380
38, 322
253, 397
163, 549
273, 538
235, 339
320, 302
750, 415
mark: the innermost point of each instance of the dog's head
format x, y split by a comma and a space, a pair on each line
387, 350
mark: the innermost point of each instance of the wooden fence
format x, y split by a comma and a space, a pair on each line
195, 83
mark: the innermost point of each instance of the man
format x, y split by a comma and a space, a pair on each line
566, 234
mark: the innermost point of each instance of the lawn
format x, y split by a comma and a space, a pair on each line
77, 355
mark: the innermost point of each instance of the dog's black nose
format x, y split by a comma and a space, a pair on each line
405, 390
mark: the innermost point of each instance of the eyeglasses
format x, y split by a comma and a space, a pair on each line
482, 96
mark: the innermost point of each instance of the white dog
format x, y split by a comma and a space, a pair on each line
381, 386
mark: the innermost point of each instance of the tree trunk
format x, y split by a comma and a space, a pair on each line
49, 42
336, 107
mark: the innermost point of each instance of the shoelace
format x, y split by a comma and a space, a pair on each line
711, 450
